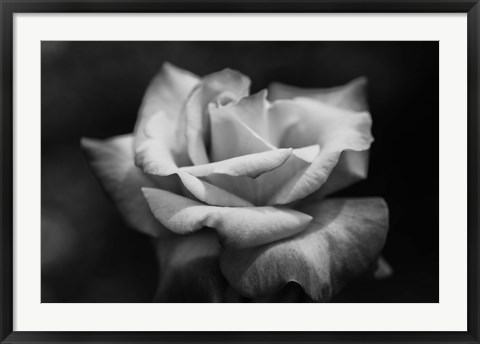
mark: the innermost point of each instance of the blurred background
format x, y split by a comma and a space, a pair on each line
94, 89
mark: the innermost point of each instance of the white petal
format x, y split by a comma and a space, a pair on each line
334, 129
230, 137
211, 194
251, 165
154, 157
344, 239
213, 88
308, 153
264, 189
321, 133
168, 91
304, 122
351, 96
154, 153
112, 162
165, 97
253, 112
236, 227
351, 168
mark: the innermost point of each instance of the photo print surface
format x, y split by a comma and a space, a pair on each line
239, 171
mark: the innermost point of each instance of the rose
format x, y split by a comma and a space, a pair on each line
233, 185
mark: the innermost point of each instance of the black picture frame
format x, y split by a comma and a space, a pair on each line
9, 8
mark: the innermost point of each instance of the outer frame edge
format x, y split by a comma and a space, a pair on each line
8, 8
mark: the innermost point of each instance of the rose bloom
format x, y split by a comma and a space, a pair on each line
233, 186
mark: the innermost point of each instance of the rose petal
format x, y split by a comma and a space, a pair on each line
226, 85
154, 153
253, 125
352, 165
351, 96
343, 240
304, 171
211, 194
157, 160
279, 185
165, 97
308, 153
304, 122
112, 162
251, 165
253, 112
233, 137
236, 227
254, 115
188, 269
167, 92
334, 129
230, 137
263, 189
351, 168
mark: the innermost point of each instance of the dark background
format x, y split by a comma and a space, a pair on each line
94, 89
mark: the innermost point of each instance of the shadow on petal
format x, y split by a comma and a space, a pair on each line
189, 269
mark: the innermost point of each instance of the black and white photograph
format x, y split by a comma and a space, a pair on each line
239, 171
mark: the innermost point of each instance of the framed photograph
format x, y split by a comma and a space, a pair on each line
239, 172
